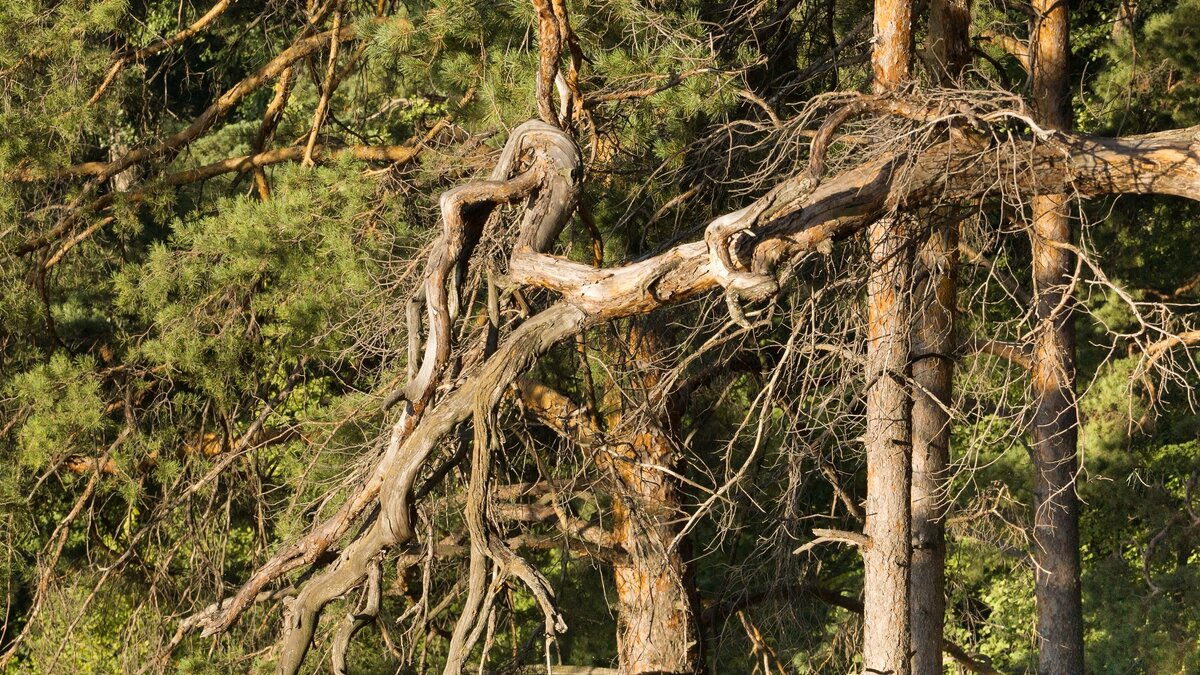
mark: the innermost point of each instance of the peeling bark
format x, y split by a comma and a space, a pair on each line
891, 56
1054, 435
657, 620
657, 627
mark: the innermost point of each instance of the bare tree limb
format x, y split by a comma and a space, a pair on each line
122, 60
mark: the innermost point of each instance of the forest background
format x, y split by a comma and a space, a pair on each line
214, 220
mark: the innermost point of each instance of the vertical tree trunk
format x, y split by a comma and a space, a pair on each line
1053, 431
891, 56
933, 374
888, 555
657, 629
657, 619
1053, 435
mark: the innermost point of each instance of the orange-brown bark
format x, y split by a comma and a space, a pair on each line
657, 618
891, 57
888, 553
887, 556
1053, 430
657, 627
657, 622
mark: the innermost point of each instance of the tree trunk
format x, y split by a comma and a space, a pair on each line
657, 629
1054, 436
933, 375
657, 619
891, 57
1053, 432
887, 556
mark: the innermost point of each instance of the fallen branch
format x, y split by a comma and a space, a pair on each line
795, 218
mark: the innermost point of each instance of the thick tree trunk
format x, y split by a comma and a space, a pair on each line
933, 376
657, 628
933, 373
887, 557
657, 606
1053, 432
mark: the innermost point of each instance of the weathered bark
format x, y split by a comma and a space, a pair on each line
552, 185
933, 375
657, 619
657, 614
887, 555
397, 473
1165, 163
891, 56
1053, 433
1160, 163
657, 626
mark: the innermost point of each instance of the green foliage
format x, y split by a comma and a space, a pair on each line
62, 405
260, 281
1152, 70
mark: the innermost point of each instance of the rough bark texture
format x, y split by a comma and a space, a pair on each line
657, 628
1163, 163
1053, 432
888, 553
891, 57
657, 620
887, 557
1053, 443
1159, 163
550, 182
933, 375
552, 185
